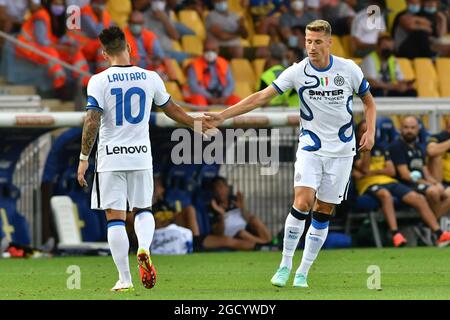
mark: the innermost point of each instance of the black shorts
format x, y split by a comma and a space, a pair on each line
420, 188
398, 190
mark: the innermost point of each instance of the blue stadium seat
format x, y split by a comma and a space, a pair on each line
386, 132
182, 177
202, 202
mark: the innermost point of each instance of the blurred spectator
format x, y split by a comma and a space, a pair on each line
119, 10
412, 32
383, 72
438, 151
431, 11
173, 6
340, 15
12, 14
157, 19
146, 50
374, 172
275, 65
94, 18
229, 216
210, 79
296, 39
227, 28
409, 160
366, 27
79, 3
45, 30
296, 17
264, 14
294, 55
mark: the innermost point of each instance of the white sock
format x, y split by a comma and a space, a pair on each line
144, 226
293, 230
119, 245
315, 238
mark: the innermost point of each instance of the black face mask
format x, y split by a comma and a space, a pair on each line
386, 53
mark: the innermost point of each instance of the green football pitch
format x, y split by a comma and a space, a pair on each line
407, 273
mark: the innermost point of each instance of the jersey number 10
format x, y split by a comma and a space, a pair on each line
123, 105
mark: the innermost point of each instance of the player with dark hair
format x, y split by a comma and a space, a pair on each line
118, 109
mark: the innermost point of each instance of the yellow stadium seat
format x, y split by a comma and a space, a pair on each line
245, 43
176, 46
191, 19
347, 45
258, 67
174, 90
242, 71
119, 11
236, 7
179, 73
426, 78
357, 61
443, 71
406, 68
173, 16
242, 89
260, 40
337, 48
394, 6
192, 44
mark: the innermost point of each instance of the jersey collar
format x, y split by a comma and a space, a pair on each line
324, 69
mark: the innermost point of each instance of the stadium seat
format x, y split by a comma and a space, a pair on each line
260, 40
337, 48
242, 89
191, 19
236, 7
119, 11
258, 68
180, 78
443, 71
347, 45
357, 61
386, 132
242, 71
426, 78
406, 68
174, 90
176, 46
67, 227
394, 6
192, 45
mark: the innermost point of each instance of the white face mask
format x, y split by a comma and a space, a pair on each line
297, 5
210, 56
221, 6
158, 5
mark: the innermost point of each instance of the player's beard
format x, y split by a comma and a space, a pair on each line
409, 138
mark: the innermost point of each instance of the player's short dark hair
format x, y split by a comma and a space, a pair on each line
113, 40
217, 179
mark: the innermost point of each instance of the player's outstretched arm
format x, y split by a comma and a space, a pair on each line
176, 113
90, 131
370, 113
250, 103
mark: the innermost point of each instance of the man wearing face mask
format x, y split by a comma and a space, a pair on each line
227, 28
210, 79
438, 20
383, 72
296, 17
12, 14
146, 51
412, 32
94, 18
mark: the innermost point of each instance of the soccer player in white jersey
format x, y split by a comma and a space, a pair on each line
325, 84
119, 104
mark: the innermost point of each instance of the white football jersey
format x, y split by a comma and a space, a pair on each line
125, 95
326, 116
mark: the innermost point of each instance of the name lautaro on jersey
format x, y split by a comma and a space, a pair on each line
124, 76
126, 150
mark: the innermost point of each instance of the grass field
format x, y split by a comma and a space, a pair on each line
409, 273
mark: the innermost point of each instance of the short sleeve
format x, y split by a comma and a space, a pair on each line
95, 96
359, 84
162, 97
397, 154
285, 80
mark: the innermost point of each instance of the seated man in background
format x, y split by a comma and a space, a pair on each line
230, 218
146, 51
409, 160
383, 72
273, 68
209, 78
227, 28
438, 152
374, 174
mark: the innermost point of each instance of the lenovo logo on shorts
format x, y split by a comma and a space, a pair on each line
126, 150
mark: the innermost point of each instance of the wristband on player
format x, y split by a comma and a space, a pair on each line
84, 157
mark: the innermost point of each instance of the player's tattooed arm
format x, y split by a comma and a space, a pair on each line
90, 130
